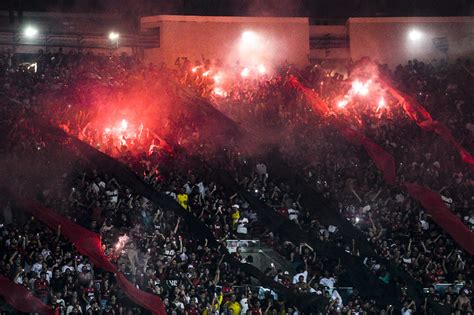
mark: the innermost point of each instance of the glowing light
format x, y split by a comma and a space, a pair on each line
205, 74
356, 85
360, 88
30, 32
107, 130
123, 125
381, 104
217, 78
342, 103
249, 37
121, 243
34, 66
195, 68
357, 219
219, 92
415, 35
113, 36
261, 69
245, 72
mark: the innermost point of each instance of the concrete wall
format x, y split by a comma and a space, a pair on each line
388, 41
335, 33
333, 30
279, 39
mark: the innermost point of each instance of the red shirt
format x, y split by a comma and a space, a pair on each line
41, 287
193, 311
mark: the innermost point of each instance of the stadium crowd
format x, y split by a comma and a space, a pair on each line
152, 245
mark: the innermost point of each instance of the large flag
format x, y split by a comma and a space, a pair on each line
23, 300
444, 217
89, 243
86, 242
385, 162
423, 119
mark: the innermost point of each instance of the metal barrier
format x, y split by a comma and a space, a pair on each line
243, 245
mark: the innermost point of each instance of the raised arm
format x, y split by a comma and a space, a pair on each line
177, 226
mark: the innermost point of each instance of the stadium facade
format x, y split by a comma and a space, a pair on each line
165, 38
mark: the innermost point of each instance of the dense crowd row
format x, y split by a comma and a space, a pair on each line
161, 257
395, 224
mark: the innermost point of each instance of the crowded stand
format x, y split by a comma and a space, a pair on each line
171, 151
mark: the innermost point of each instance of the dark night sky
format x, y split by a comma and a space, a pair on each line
312, 8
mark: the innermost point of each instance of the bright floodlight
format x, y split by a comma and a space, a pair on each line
30, 32
113, 36
245, 72
415, 35
249, 37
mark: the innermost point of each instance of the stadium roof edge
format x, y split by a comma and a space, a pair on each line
414, 19
222, 19
64, 14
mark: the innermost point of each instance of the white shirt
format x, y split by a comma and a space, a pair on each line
424, 225
49, 275
245, 306
202, 189
70, 308
37, 267
79, 267
169, 252
95, 188
183, 257
61, 302
45, 252
65, 267
179, 304
328, 282
113, 195
241, 228
19, 280
296, 277
293, 214
336, 297
188, 188
171, 194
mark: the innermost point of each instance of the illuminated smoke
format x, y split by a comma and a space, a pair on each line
381, 104
245, 72
219, 92
360, 88
249, 38
123, 125
122, 241
342, 103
